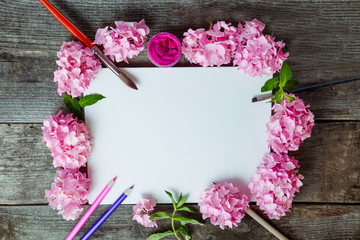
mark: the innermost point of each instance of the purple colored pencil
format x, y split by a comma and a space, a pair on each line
107, 213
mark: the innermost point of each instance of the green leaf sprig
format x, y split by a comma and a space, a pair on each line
282, 83
76, 105
178, 206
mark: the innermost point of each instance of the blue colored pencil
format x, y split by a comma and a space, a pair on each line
107, 213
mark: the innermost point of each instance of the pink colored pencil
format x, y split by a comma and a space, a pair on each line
91, 209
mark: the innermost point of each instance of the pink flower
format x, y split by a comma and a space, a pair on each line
290, 125
213, 47
68, 140
275, 183
77, 68
123, 42
223, 204
142, 212
68, 192
250, 30
254, 52
258, 54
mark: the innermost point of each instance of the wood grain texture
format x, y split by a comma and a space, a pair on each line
26, 168
305, 222
329, 162
321, 36
323, 40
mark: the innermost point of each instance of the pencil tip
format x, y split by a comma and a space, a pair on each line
254, 99
115, 178
131, 187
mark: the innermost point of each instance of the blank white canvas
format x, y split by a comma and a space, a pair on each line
184, 129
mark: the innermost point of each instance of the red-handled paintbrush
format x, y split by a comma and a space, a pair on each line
76, 32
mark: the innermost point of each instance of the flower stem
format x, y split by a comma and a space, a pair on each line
173, 225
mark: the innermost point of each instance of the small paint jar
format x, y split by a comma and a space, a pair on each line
164, 50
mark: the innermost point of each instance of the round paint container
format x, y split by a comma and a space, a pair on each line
164, 50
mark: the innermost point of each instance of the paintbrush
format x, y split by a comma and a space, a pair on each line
303, 89
79, 35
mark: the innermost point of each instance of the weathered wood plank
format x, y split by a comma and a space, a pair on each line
25, 164
321, 36
305, 222
28, 93
340, 102
329, 162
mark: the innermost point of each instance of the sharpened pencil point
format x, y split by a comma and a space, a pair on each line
254, 99
111, 182
128, 191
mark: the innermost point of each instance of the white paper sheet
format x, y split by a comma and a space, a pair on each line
184, 129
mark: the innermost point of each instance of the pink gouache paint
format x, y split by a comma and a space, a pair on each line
164, 50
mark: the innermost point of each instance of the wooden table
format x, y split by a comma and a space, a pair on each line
323, 39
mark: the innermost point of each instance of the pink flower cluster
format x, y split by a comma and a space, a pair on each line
123, 42
290, 125
68, 140
213, 47
223, 204
68, 192
254, 52
142, 212
77, 68
275, 183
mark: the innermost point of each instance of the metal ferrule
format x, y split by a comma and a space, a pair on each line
106, 61
110, 64
113, 68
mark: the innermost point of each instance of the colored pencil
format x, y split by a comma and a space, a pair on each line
91, 209
107, 213
79, 35
303, 89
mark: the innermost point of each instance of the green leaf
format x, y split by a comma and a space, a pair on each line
159, 216
270, 84
73, 105
289, 98
279, 96
290, 84
181, 201
187, 209
285, 74
172, 198
156, 236
90, 99
182, 229
185, 220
